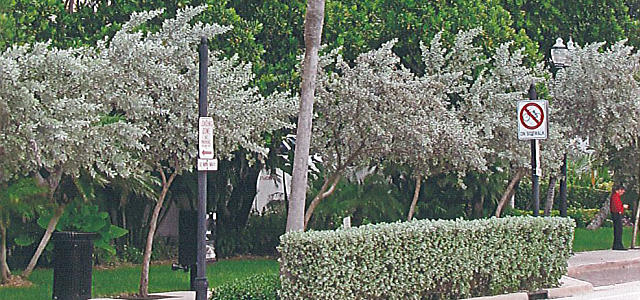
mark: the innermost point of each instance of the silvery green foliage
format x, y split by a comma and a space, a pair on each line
489, 99
438, 137
358, 109
16, 128
444, 259
377, 109
598, 96
53, 100
459, 115
157, 86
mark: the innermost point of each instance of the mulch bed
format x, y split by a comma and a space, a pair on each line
17, 281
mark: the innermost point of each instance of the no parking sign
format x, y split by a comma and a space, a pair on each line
533, 119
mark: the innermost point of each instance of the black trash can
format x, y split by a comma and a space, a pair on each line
187, 238
72, 265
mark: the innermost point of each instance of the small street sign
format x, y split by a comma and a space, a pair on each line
207, 164
205, 138
533, 119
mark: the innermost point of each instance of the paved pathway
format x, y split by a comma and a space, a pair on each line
602, 259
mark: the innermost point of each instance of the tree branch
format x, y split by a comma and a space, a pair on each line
324, 192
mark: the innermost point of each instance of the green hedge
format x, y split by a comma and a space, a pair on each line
582, 216
444, 259
256, 287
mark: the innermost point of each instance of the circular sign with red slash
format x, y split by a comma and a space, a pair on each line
532, 116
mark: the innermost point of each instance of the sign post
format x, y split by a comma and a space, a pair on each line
205, 150
533, 119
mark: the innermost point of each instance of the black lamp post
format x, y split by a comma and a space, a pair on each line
560, 59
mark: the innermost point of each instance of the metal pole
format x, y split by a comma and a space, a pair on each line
563, 188
201, 284
535, 178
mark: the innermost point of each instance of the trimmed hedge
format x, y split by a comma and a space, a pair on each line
443, 259
256, 287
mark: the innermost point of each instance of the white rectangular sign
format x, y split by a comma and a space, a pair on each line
533, 120
205, 138
207, 164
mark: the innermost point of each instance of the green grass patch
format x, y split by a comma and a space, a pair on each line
599, 239
125, 280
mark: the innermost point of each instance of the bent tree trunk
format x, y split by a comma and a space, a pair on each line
327, 189
520, 172
314, 18
45, 240
600, 217
5, 272
414, 202
550, 194
146, 258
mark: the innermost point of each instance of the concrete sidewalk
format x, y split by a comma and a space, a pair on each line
602, 260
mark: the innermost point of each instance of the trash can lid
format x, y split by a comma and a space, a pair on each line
72, 235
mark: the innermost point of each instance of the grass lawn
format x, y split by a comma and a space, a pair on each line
125, 280
600, 239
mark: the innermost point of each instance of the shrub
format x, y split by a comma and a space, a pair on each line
582, 216
577, 196
259, 237
444, 259
164, 248
257, 287
130, 254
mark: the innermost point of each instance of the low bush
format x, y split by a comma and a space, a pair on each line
257, 287
582, 216
259, 237
444, 259
130, 254
577, 196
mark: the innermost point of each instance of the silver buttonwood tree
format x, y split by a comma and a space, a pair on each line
599, 99
57, 123
158, 89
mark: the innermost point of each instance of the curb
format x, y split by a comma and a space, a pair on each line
179, 295
576, 270
569, 287
513, 296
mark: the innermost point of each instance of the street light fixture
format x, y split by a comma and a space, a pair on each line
561, 58
560, 53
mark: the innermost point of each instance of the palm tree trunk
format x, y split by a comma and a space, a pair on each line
44, 241
550, 194
414, 202
146, 258
314, 18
